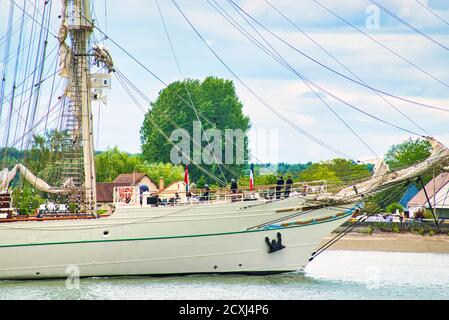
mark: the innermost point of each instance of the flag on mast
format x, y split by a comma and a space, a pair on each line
186, 178
251, 178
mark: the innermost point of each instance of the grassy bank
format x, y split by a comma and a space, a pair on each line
420, 237
414, 227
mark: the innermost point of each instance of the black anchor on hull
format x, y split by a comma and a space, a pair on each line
274, 245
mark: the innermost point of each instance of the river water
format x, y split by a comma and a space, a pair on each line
332, 275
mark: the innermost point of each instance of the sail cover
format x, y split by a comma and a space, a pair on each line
383, 178
6, 176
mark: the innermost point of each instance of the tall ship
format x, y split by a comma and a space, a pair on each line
249, 232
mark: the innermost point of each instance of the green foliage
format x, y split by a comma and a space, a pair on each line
428, 214
335, 171
264, 180
112, 162
168, 171
408, 153
292, 170
11, 156
319, 171
26, 200
395, 228
44, 158
347, 170
395, 206
372, 207
73, 207
201, 182
213, 98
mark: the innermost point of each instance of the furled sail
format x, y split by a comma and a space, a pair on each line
64, 50
383, 178
378, 178
7, 176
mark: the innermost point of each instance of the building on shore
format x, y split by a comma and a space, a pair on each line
438, 193
177, 187
408, 195
105, 190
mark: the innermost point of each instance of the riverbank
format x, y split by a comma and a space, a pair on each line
392, 242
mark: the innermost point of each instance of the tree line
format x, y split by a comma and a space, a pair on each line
215, 104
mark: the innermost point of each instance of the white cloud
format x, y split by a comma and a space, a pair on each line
137, 27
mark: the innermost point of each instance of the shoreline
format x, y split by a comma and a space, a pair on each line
391, 242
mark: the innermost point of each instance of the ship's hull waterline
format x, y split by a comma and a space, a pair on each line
138, 241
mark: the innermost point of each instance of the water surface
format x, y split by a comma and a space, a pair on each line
332, 275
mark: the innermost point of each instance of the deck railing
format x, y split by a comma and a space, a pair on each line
129, 196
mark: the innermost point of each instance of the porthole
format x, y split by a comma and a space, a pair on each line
106, 233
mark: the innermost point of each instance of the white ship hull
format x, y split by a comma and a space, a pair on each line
162, 241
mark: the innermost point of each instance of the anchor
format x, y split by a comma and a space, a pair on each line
274, 245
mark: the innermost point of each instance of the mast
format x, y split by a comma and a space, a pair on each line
81, 131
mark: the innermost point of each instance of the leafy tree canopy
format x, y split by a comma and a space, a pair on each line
408, 153
112, 162
335, 171
395, 206
214, 99
319, 171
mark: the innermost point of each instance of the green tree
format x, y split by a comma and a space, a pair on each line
27, 199
408, 153
259, 180
168, 171
214, 99
110, 163
399, 156
395, 206
335, 171
319, 171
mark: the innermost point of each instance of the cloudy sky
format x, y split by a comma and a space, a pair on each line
136, 25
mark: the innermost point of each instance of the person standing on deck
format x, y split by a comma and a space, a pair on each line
279, 186
234, 186
288, 186
206, 194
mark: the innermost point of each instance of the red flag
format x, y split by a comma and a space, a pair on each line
186, 178
251, 178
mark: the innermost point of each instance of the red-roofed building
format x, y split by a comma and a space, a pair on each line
105, 190
136, 179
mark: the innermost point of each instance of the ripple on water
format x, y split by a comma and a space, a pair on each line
332, 275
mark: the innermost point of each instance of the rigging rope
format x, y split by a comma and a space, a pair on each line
348, 229
408, 25
426, 105
133, 86
6, 53
381, 44
11, 105
165, 135
279, 58
325, 90
432, 12
187, 89
285, 119
338, 61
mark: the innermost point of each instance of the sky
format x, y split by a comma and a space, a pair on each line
136, 26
